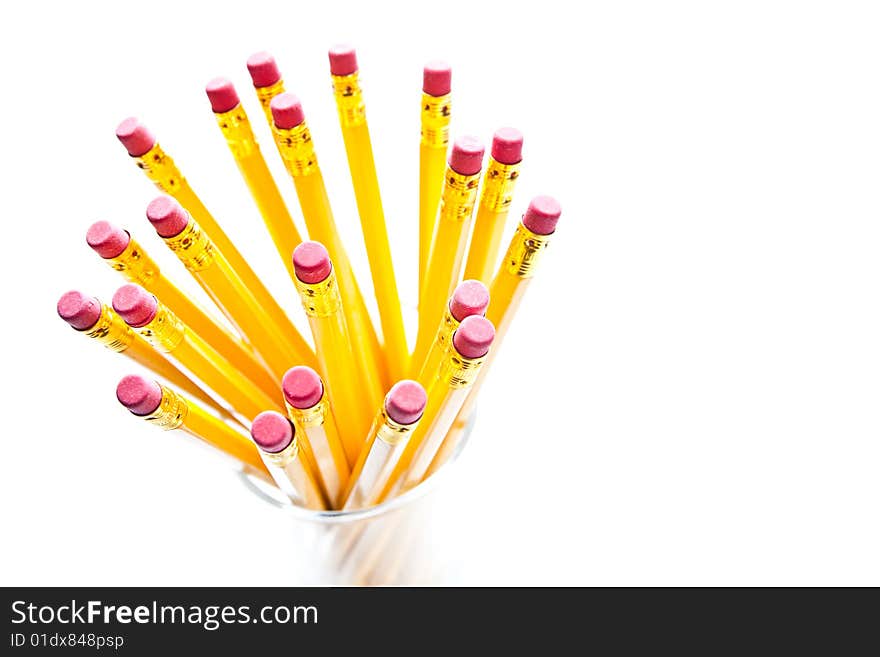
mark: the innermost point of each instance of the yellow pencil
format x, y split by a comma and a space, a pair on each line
495, 198
236, 128
295, 145
278, 347
161, 169
168, 334
436, 115
450, 238
317, 286
128, 257
359, 149
267, 80
170, 410
508, 288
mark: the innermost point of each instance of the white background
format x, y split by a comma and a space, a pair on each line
689, 394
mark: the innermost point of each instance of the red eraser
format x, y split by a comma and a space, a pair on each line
287, 111
311, 262
466, 157
474, 337
263, 69
470, 298
302, 387
135, 136
405, 402
107, 240
135, 305
167, 216
271, 431
542, 214
437, 78
507, 146
221, 92
139, 395
78, 310
343, 60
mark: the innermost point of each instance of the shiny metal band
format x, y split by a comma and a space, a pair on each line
436, 113
459, 196
320, 299
498, 185
135, 264
171, 413
349, 100
193, 247
111, 331
524, 252
296, 149
165, 332
160, 168
236, 128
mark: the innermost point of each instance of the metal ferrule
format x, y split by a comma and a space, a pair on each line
296, 149
265, 96
165, 331
160, 168
171, 412
320, 299
436, 113
111, 331
309, 417
236, 128
458, 371
459, 196
349, 100
193, 247
498, 185
285, 456
135, 264
525, 252
391, 432
447, 327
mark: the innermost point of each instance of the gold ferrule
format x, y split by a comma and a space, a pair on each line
498, 185
320, 299
171, 412
458, 371
309, 417
160, 168
436, 112
237, 130
193, 247
296, 149
349, 100
525, 252
391, 432
135, 264
447, 327
285, 456
459, 196
266, 94
111, 331
165, 331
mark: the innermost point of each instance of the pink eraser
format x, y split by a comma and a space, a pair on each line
287, 111
405, 402
542, 214
135, 136
507, 146
139, 395
343, 60
107, 240
467, 156
311, 262
271, 431
470, 298
263, 69
167, 216
78, 310
135, 305
221, 92
437, 78
474, 337
302, 387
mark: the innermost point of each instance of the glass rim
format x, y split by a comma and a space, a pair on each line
271, 495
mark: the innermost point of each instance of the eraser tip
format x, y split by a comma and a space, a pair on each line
78, 310
107, 240
135, 305
542, 215
271, 431
302, 387
474, 336
139, 395
135, 136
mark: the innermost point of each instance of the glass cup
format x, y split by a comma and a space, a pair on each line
398, 542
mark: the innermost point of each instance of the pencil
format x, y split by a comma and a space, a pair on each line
236, 128
359, 150
169, 410
266, 79
435, 118
119, 250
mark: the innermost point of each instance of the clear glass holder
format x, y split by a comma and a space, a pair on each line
393, 543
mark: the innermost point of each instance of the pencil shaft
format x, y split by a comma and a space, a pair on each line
432, 164
201, 424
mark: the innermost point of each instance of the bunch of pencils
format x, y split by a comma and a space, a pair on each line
354, 417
